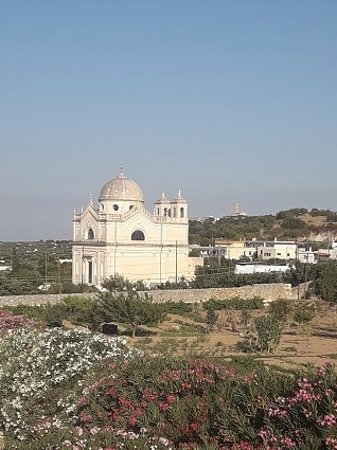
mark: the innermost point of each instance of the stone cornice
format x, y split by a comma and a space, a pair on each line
103, 217
120, 245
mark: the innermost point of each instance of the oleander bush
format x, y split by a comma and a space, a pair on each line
75, 390
10, 321
34, 364
157, 403
198, 404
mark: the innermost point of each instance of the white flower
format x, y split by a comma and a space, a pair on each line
33, 362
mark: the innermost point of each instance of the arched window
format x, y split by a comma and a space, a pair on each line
165, 212
91, 234
174, 212
181, 212
115, 207
137, 236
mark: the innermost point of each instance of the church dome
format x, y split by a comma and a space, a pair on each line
121, 188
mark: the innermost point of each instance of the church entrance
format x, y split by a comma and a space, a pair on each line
89, 272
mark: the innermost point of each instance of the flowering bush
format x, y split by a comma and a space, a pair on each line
143, 395
78, 391
33, 364
199, 405
307, 418
10, 321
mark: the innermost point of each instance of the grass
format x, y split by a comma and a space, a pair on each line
290, 349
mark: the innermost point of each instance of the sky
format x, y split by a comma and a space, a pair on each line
229, 101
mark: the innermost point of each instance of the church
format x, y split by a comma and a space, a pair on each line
122, 237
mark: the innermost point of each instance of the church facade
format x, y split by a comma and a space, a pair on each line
122, 237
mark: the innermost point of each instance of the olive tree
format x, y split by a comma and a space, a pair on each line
129, 308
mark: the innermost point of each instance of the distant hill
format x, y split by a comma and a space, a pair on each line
297, 223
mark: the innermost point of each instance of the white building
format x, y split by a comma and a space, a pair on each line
248, 269
122, 237
307, 256
277, 250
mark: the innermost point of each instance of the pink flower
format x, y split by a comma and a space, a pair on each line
132, 421
170, 399
329, 421
163, 406
288, 442
331, 443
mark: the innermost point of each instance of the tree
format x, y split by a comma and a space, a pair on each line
269, 331
120, 283
15, 262
280, 309
293, 223
129, 308
212, 317
329, 281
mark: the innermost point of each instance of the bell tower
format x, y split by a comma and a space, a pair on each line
162, 207
179, 207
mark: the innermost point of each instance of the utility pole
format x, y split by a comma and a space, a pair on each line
229, 258
176, 262
46, 268
305, 281
161, 248
59, 275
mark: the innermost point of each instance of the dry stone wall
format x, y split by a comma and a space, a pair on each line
37, 299
269, 292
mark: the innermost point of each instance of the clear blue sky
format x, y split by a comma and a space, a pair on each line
227, 100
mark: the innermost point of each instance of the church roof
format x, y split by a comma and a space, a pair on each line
121, 188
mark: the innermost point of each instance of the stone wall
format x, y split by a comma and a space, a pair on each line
37, 299
269, 292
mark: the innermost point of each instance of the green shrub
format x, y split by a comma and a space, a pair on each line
212, 318
77, 309
129, 308
32, 312
269, 332
234, 303
245, 364
262, 335
280, 309
303, 315
246, 317
179, 308
119, 283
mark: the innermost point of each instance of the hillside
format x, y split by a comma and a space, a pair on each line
298, 223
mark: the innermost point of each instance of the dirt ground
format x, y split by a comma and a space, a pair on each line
313, 343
